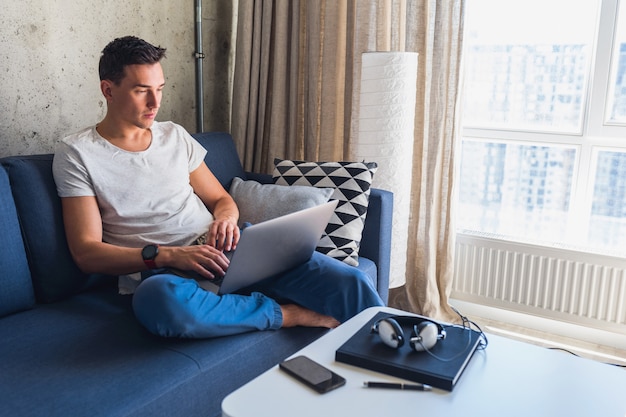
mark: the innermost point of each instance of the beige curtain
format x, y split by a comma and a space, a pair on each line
436, 34
292, 81
296, 93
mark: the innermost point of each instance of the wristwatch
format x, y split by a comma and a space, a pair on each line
149, 253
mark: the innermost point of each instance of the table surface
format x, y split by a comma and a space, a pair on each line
509, 378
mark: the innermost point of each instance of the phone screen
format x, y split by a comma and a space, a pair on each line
312, 374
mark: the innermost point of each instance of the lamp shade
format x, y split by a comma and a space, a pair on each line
385, 136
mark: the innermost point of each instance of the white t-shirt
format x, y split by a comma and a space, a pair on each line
144, 197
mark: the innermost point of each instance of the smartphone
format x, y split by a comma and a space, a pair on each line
312, 374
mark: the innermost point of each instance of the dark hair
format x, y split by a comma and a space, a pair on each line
128, 50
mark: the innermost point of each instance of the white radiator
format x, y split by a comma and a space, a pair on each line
557, 284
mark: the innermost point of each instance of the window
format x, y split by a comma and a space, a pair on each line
543, 150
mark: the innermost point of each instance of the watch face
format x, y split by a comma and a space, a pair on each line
150, 252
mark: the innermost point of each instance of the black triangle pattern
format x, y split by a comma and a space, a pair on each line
351, 182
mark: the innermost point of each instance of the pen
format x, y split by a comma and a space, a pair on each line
399, 385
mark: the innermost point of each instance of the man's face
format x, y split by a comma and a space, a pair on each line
137, 98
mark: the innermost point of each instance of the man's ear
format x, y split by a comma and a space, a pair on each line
105, 87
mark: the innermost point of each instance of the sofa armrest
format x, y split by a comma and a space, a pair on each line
376, 239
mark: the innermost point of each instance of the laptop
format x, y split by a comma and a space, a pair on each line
271, 247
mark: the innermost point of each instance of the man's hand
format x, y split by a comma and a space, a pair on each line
206, 260
223, 234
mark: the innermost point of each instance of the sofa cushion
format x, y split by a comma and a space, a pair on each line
222, 157
351, 182
259, 202
83, 356
55, 276
88, 356
16, 290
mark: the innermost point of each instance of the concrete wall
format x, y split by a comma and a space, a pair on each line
49, 51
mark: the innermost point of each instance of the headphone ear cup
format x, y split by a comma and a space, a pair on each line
390, 333
424, 336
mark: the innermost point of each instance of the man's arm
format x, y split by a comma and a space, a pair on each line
83, 227
223, 232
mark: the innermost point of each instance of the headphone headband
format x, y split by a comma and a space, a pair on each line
410, 320
413, 320
425, 333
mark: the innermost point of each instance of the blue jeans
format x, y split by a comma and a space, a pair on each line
172, 306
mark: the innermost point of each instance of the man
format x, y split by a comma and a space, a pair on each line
136, 195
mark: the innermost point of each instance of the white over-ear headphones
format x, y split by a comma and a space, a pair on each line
424, 336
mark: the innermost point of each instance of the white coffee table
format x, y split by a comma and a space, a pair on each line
509, 378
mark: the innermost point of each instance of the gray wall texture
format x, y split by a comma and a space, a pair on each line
49, 51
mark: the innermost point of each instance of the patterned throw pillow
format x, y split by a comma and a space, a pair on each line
351, 182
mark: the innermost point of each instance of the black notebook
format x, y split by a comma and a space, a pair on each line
365, 349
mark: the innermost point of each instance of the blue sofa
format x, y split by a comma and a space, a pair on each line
69, 344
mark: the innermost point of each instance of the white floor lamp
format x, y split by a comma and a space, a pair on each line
385, 136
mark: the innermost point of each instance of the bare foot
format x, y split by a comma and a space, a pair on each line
294, 315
